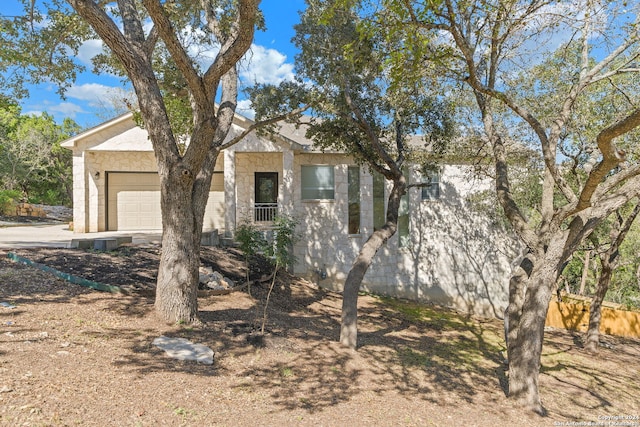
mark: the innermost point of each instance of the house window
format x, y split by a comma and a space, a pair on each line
354, 199
317, 183
403, 217
379, 217
431, 192
266, 196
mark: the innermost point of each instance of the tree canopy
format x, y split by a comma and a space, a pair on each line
527, 96
32, 163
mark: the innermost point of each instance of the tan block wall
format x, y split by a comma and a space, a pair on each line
89, 181
575, 316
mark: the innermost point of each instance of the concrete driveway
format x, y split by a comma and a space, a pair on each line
59, 236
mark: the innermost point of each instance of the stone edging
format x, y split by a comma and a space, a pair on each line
76, 280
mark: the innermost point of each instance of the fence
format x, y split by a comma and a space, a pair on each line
574, 315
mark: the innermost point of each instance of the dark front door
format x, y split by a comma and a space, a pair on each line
266, 201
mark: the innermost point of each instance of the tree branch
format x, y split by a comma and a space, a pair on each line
167, 33
231, 52
263, 123
611, 156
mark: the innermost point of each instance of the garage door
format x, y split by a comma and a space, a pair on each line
133, 202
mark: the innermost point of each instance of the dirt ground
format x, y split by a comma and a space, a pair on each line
71, 356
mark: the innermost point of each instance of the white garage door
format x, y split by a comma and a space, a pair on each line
133, 202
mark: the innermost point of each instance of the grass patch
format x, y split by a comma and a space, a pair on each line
437, 318
452, 341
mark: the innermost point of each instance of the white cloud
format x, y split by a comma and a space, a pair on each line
244, 109
32, 113
264, 65
88, 50
66, 109
94, 93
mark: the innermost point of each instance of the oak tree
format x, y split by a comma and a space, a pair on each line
148, 40
363, 104
491, 42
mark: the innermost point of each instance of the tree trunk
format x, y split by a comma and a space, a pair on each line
526, 350
349, 320
608, 261
585, 271
517, 289
177, 286
595, 313
349, 328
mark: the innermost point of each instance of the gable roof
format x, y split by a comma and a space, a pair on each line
123, 134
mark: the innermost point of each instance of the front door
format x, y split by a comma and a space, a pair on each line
266, 201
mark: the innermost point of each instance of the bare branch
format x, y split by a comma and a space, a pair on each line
263, 123
167, 33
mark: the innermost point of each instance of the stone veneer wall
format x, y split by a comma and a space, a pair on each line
456, 256
246, 165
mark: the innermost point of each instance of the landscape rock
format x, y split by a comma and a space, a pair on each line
183, 349
215, 280
26, 209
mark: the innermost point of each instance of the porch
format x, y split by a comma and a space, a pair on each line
259, 186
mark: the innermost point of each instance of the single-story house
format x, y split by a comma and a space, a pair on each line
444, 251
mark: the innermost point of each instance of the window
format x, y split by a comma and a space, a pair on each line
431, 192
354, 199
379, 216
403, 217
317, 182
266, 192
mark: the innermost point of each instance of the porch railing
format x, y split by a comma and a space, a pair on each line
265, 212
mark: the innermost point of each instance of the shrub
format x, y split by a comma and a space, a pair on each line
251, 242
8, 201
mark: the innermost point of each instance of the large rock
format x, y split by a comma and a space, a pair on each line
215, 280
25, 209
183, 349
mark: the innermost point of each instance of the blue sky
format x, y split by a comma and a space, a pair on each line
271, 61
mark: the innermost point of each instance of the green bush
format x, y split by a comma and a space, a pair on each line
251, 242
8, 201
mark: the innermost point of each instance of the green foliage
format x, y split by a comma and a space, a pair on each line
31, 158
360, 102
280, 250
40, 46
251, 243
8, 201
249, 238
